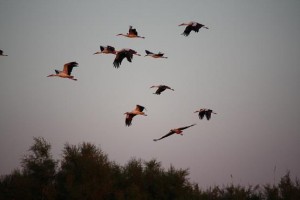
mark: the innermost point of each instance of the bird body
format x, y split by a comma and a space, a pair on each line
205, 112
192, 26
132, 33
67, 70
161, 88
155, 55
106, 50
124, 53
172, 131
137, 111
1, 53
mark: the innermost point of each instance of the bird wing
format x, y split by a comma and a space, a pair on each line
132, 31
187, 30
196, 27
167, 87
201, 114
139, 108
129, 55
208, 114
160, 90
68, 67
148, 52
128, 119
167, 135
185, 127
119, 57
110, 48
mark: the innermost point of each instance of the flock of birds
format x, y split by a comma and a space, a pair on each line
128, 54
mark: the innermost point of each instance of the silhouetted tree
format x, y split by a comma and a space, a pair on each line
85, 173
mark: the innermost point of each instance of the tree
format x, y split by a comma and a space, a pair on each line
85, 173
40, 169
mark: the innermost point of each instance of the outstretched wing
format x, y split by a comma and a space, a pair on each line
208, 114
129, 55
132, 31
110, 48
139, 108
201, 114
119, 58
182, 128
160, 90
167, 135
187, 30
68, 67
148, 52
128, 119
160, 54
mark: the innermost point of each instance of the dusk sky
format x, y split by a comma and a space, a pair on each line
245, 67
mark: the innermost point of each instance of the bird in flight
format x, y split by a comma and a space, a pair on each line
124, 53
191, 26
172, 131
1, 53
106, 50
155, 55
205, 112
132, 33
160, 88
137, 111
66, 73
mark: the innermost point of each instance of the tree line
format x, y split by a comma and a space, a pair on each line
85, 172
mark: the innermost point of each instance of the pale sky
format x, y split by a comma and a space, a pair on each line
245, 67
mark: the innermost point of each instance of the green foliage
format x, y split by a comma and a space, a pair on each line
85, 172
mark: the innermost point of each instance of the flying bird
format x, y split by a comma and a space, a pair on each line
106, 50
172, 131
1, 53
132, 33
155, 55
124, 53
137, 111
66, 73
191, 26
205, 112
160, 88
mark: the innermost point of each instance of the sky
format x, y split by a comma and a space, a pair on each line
245, 67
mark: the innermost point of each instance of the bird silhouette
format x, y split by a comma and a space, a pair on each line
205, 112
67, 70
191, 26
132, 33
160, 88
137, 111
172, 131
124, 53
